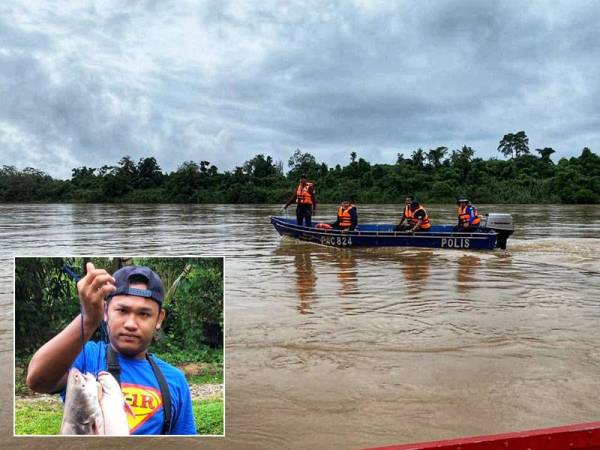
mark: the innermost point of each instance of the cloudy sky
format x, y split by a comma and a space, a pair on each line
84, 83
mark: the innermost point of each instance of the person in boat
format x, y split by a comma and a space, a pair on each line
347, 217
306, 201
419, 219
468, 218
406, 215
130, 301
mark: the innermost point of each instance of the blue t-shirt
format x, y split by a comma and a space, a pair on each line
471, 212
142, 391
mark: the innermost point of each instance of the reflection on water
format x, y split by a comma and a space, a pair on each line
306, 281
350, 348
345, 264
416, 269
466, 273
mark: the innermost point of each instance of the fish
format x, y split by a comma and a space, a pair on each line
82, 412
113, 405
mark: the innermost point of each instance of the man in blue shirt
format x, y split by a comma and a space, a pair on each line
130, 302
468, 218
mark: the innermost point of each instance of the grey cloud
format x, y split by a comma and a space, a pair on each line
74, 110
15, 38
326, 77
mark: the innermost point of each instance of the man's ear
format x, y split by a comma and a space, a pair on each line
161, 316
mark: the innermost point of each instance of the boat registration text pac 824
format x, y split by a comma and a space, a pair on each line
338, 241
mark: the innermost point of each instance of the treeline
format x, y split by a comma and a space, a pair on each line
435, 175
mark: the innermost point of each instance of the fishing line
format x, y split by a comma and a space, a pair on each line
104, 333
103, 330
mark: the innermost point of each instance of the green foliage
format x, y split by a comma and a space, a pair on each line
209, 416
514, 144
434, 175
30, 185
20, 377
195, 306
170, 353
303, 164
46, 301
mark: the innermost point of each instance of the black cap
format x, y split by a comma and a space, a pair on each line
154, 290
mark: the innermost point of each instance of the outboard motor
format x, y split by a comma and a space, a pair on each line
501, 224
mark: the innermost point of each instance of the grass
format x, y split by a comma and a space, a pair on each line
209, 416
212, 378
44, 417
20, 385
40, 417
201, 353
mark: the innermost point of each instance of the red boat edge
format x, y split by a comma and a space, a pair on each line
583, 436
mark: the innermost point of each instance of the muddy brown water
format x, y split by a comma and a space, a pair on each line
331, 348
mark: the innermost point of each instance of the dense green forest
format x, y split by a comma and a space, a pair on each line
46, 301
435, 175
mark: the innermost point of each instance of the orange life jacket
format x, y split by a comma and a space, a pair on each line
425, 224
407, 212
303, 194
344, 218
464, 216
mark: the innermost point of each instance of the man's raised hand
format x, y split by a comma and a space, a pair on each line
93, 289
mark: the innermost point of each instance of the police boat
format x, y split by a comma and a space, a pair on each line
493, 232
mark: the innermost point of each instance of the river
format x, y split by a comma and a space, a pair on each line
349, 348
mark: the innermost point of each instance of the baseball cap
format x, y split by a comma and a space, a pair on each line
154, 290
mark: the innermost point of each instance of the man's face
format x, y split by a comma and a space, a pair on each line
407, 201
132, 322
345, 205
303, 181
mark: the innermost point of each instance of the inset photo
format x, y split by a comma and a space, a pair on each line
119, 346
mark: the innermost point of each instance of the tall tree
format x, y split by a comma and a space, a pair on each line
204, 165
260, 167
514, 144
149, 173
128, 167
435, 156
461, 160
418, 158
83, 177
303, 163
545, 153
183, 183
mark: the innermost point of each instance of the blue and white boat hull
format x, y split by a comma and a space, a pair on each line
383, 235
